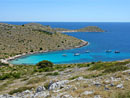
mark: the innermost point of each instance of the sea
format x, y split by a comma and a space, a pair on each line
115, 38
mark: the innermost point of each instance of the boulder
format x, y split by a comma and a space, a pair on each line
87, 93
120, 86
40, 89
58, 85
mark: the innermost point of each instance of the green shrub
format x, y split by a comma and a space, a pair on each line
83, 65
5, 76
73, 77
92, 62
52, 74
115, 68
110, 66
45, 64
16, 75
2, 64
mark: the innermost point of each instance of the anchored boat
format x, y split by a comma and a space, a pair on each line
117, 51
76, 54
108, 51
87, 51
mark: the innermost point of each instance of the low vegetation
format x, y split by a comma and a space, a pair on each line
109, 67
45, 64
20, 90
19, 78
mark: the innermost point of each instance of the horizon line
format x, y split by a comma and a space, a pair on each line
66, 21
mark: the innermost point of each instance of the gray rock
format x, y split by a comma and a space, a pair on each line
97, 96
43, 94
58, 85
97, 83
66, 96
7, 96
80, 78
87, 93
40, 89
120, 86
115, 79
111, 84
105, 88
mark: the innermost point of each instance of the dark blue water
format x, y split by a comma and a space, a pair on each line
116, 37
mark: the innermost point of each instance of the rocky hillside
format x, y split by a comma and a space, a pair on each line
32, 37
88, 80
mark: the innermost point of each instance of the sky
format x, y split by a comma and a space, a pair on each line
65, 10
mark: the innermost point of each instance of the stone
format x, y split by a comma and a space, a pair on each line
97, 96
43, 94
66, 96
27, 92
115, 79
111, 84
87, 93
58, 85
97, 83
105, 88
80, 78
40, 88
7, 96
120, 86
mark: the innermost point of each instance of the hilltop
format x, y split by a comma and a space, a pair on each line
33, 37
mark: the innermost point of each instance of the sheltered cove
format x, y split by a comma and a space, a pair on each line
84, 43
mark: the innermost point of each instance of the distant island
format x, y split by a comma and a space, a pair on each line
33, 38
85, 29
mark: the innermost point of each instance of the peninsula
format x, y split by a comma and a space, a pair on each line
33, 38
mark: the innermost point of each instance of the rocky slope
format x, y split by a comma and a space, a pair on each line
90, 80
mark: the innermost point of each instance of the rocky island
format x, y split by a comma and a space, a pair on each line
85, 29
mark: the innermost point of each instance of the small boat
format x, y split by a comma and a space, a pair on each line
76, 54
117, 51
108, 51
87, 51
64, 55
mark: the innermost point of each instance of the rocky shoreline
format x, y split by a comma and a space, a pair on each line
5, 61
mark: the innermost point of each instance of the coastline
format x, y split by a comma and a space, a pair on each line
5, 61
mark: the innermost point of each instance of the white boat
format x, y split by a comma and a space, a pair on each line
87, 51
76, 54
108, 51
117, 51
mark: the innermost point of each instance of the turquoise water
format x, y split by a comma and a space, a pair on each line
116, 37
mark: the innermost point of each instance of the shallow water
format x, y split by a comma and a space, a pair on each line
116, 37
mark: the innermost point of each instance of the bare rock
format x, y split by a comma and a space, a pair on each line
87, 93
